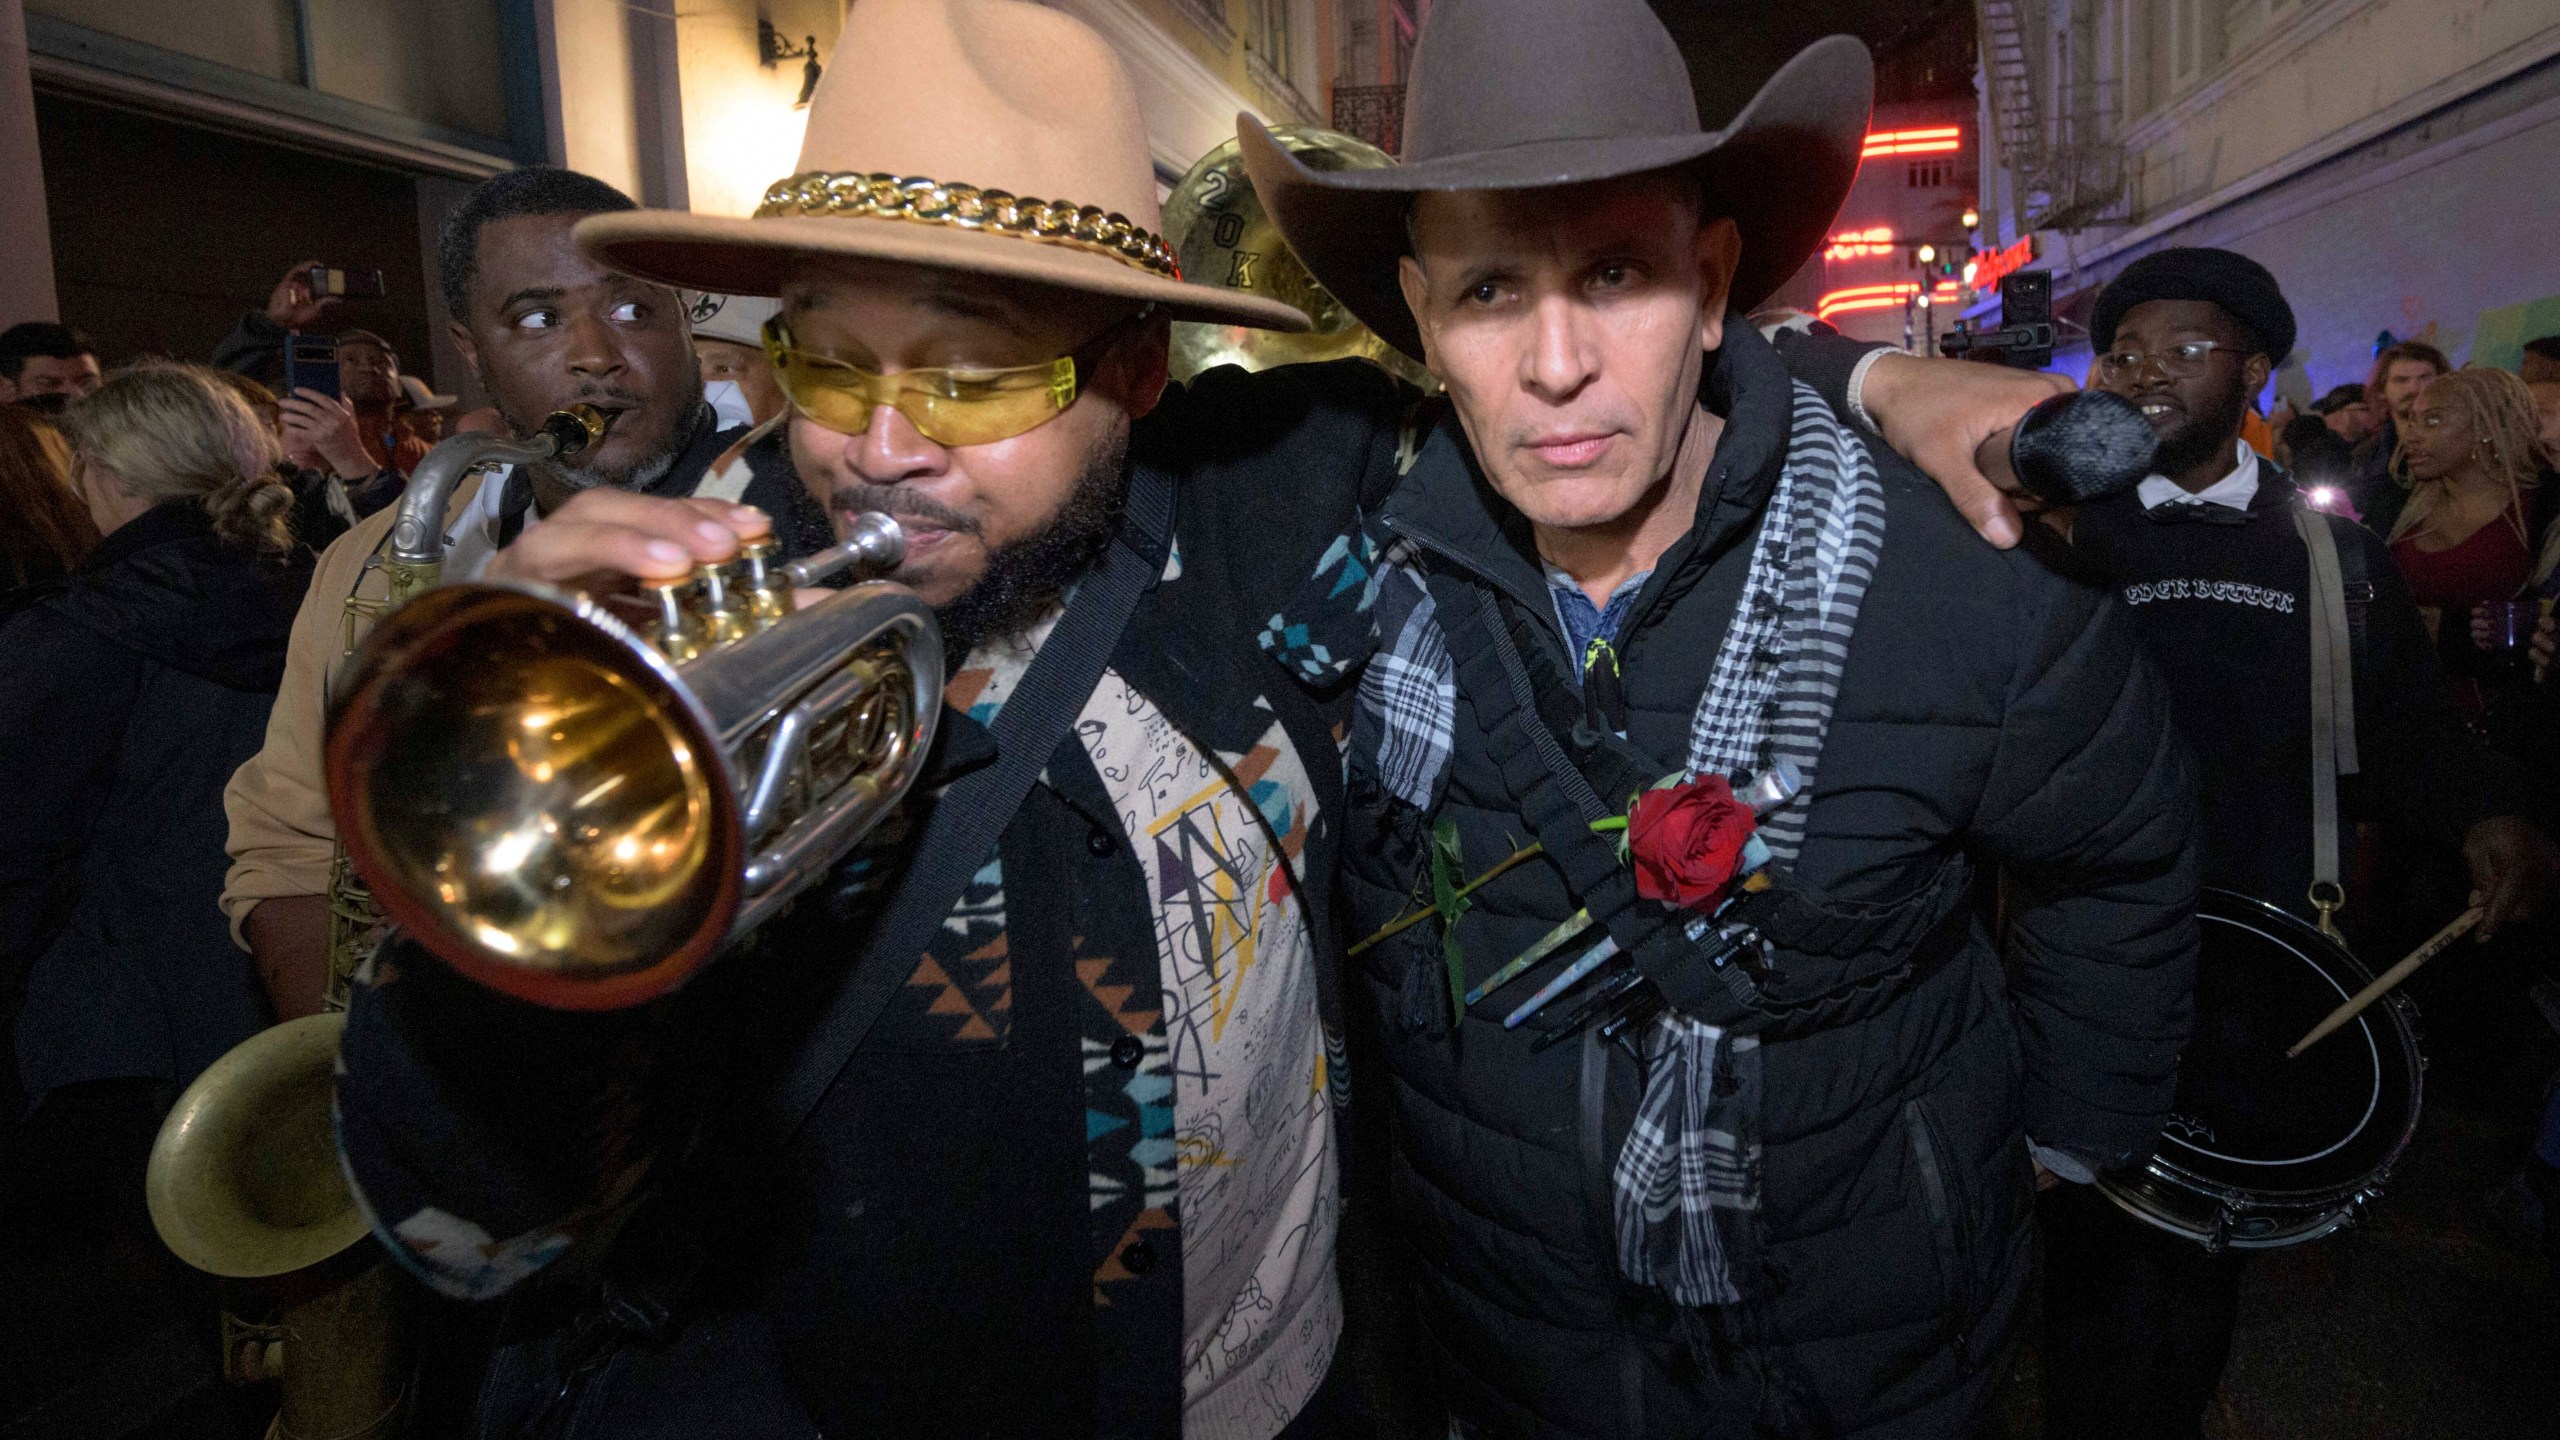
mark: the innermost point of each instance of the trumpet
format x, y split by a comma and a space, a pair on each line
579, 811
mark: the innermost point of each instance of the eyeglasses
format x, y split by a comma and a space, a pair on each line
947, 407
2182, 361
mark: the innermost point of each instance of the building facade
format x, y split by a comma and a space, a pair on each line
2390, 160
162, 164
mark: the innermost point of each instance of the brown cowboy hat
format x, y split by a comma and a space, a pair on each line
1526, 94
977, 135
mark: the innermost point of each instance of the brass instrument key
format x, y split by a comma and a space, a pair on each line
679, 635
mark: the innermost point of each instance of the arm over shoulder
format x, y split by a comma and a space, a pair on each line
2091, 806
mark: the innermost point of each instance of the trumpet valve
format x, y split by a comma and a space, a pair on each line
768, 596
680, 634
726, 609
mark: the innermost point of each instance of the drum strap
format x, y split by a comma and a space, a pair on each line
2333, 712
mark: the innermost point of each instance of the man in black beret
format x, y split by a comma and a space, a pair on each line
2213, 558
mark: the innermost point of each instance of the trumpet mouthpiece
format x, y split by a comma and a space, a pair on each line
874, 546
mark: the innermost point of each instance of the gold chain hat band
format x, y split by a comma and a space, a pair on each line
966, 207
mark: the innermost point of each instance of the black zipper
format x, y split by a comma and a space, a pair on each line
1946, 1221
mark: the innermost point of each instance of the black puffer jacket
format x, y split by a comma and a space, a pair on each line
1992, 711
127, 698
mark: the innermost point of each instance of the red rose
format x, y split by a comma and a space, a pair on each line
1687, 841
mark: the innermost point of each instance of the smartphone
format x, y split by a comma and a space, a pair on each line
311, 363
326, 281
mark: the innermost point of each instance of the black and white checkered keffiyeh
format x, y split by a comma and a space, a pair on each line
1778, 673
1693, 1149
1689, 1154
1408, 702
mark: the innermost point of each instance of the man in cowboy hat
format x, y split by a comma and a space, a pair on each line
1765, 1170
1063, 1160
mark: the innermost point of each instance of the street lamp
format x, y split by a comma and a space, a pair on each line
1972, 220
1928, 253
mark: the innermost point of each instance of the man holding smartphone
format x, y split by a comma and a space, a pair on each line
340, 416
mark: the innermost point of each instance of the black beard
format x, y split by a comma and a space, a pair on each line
1027, 577
2203, 436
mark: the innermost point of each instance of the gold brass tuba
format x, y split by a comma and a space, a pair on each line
1221, 235
578, 811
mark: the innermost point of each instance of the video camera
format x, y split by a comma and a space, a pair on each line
2025, 337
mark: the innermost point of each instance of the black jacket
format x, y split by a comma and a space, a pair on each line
2225, 613
1991, 710
2377, 494
127, 698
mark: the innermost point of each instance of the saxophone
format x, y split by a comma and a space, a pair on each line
413, 563
244, 1180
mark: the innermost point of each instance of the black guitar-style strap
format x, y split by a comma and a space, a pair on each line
974, 811
1537, 754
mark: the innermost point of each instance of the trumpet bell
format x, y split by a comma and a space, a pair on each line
244, 1178
532, 792
562, 812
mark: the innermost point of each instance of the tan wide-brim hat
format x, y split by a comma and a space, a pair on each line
1528, 94
984, 136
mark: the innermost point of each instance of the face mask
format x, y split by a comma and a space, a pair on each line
729, 403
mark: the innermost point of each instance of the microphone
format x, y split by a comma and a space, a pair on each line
2072, 449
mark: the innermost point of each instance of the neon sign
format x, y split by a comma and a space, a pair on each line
1880, 297
1859, 244
1935, 140
1865, 297
1986, 270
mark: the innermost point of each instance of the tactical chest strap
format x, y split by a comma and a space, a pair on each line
1556, 770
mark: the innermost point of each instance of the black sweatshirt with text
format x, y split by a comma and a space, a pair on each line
2225, 612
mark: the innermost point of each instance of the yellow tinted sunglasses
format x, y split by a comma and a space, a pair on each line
947, 407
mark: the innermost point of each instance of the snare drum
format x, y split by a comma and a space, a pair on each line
2260, 1151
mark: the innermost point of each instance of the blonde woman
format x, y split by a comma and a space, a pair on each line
2469, 459
127, 697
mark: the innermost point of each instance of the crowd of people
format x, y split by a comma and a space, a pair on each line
1290, 716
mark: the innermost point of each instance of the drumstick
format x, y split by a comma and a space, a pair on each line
2393, 976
